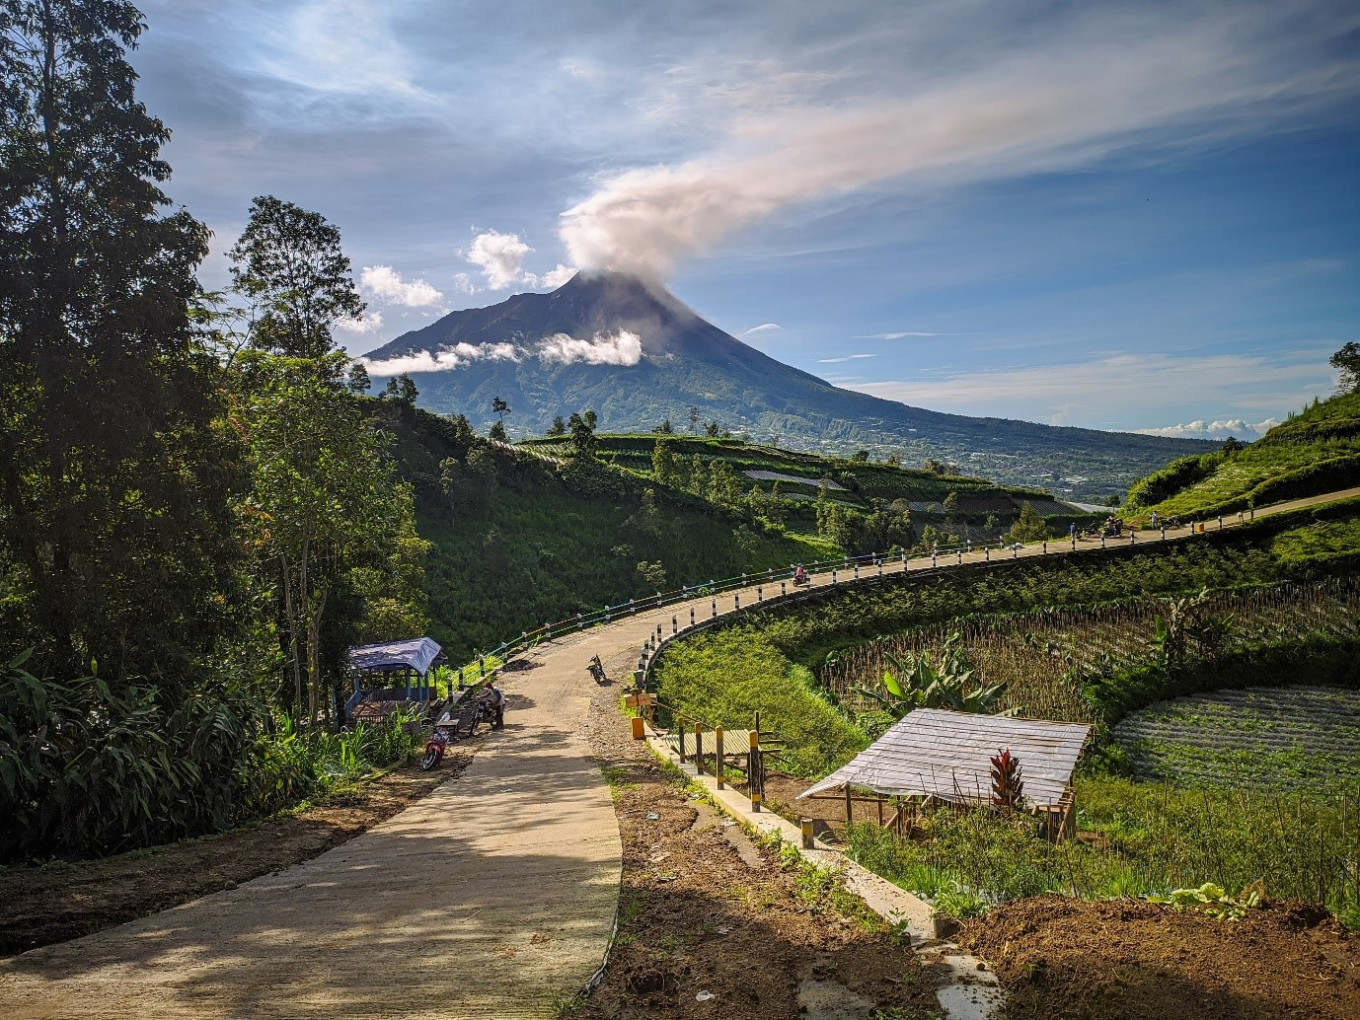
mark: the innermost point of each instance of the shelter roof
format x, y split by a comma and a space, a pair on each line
934, 752
417, 653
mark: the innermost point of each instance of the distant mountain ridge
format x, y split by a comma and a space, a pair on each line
636, 354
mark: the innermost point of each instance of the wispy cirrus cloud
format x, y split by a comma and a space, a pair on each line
1122, 390
848, 357
904, 334
763, 328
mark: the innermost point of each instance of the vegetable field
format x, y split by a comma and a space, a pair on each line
1285, 738
1045, 657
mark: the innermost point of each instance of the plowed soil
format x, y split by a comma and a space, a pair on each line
1133, 960
42, 905
712, 925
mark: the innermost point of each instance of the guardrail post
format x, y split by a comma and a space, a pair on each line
698, 748
934, 557
580, 621
988, 552
718, 755
481, 666
1045, 547
760, 593
691, 616
856, 571
462, 684
736, 601
1015, 550
1133, 537
959, 561
1102, 540
880, 568
1163, 532
1220, 522
783, 588
675, 624
715, 609
658, 632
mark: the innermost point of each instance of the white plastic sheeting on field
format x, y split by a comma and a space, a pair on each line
932, 752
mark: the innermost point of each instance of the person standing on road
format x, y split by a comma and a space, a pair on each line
498, 723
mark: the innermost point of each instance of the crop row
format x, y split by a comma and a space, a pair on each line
1041, 656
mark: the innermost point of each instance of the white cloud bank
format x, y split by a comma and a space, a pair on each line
1235, 427
500, 257
372, 322
624, 349
386, 283
1106, 80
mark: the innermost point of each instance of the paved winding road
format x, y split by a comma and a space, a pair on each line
494, 896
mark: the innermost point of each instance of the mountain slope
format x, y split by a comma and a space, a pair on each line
636, 354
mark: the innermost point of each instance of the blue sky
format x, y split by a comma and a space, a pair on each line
1111, 215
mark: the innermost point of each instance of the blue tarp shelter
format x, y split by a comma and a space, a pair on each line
411, 658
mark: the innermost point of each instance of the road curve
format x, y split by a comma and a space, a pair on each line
492, 897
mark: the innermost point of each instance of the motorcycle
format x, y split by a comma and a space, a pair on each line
596, 670
450, 728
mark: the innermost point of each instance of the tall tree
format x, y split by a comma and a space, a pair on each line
1347, 363
288, 264
115, 539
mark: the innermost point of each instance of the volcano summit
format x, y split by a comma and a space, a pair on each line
636, 354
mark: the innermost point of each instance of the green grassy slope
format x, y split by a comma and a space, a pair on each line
523, 541
1314, 452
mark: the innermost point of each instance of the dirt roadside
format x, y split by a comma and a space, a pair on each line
1140, 961
44, 904
711, 924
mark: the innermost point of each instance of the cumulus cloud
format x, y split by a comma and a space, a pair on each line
623, 349
386, 283
442, 360
372, 322
1070, 97
500, 257
1236, 427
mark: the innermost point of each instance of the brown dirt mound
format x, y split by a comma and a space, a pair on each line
1133, 960
41, 905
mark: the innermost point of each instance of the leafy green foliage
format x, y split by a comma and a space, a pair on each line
726, 677
948, 682
1152, 840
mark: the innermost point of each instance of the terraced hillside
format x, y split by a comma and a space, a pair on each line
1317, 450
1278, 737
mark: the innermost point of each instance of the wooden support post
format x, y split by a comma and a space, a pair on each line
806, 825
753, 783
698, 748
849, 808
680, 732
718, 756
880, 810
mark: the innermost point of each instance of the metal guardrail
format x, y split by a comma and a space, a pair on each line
869, 566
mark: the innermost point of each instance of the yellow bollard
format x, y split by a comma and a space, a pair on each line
638, 731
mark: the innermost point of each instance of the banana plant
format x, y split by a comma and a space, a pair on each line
914, 681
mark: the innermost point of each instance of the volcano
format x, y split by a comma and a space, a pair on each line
632, 351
